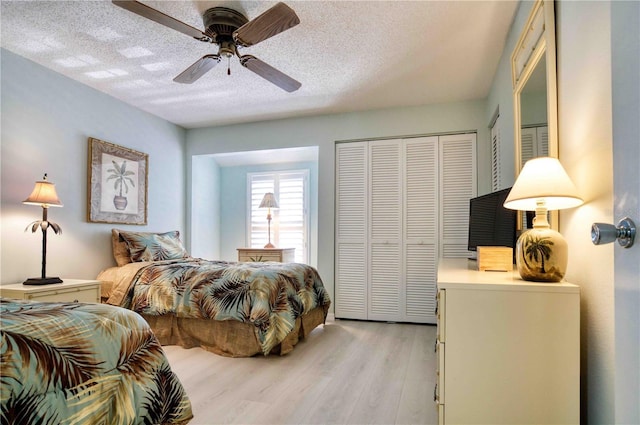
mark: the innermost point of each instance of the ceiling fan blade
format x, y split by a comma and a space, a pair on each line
275, 20
161, 18
269, 73
198, 69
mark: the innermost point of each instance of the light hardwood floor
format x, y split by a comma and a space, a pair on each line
345, 372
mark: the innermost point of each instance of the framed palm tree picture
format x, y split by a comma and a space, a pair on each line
117, 186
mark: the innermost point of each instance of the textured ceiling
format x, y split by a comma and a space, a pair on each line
348, 55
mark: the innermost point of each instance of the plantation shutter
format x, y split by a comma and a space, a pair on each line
259, 184
290, 222
291, 226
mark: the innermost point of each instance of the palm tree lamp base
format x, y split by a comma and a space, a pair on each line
42, 281
541, 255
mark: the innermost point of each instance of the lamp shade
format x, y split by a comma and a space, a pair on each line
269, 201
543, 179
43, 194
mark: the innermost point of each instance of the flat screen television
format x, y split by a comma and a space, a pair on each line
491, 224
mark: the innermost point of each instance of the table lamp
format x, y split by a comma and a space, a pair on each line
269, 201
542, 185
44, 195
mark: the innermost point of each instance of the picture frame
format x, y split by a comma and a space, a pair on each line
117, 184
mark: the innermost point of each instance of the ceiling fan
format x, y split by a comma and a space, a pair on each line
230, 30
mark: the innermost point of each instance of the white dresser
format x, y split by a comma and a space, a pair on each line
508, 350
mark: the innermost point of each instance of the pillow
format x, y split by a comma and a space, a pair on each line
145, 246
120, 249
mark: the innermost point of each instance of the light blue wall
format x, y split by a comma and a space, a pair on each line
501, 97
323, 131
204, 211
46, 121
233, 214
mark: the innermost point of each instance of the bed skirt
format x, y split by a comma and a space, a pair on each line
228, 338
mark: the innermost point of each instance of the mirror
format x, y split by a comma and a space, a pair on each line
534, 128
534, 86
533, 69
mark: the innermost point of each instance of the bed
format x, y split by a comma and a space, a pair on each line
232, 309
75, 363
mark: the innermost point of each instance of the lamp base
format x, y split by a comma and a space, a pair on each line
42, 281
269, 245
541, 255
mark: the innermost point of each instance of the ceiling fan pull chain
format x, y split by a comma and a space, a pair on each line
228, 65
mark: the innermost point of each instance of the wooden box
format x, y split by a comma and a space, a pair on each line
495, 258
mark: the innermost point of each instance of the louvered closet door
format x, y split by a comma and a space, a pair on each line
458, 185
542, 136
535, 143
351, 231
420, 228
401, 204
528, 148
496, 163
385, 230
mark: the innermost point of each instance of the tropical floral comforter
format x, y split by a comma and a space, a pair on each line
73, 363
270, 296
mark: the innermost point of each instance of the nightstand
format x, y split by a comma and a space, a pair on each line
280, 255
71, 290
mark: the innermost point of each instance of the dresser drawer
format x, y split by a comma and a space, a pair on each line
441, 306
280, 255
259, 256
440, 371
82, 295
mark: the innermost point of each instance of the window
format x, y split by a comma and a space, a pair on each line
290, 222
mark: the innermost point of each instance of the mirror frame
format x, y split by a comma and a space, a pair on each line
537, 39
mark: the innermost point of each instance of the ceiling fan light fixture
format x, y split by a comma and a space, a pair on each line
227, 49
